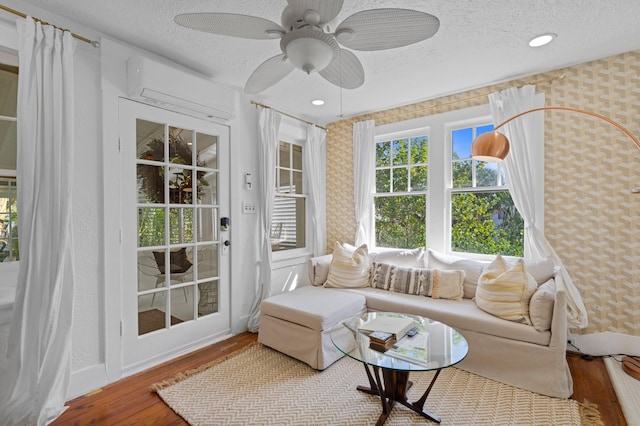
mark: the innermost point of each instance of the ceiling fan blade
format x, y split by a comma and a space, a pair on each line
231, 24
327, 9
344, 71
268, 73
380, 29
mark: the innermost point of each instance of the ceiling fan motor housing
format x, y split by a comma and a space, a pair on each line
309, 49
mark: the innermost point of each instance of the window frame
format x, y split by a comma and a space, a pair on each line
439, 169
294, 133
9, 56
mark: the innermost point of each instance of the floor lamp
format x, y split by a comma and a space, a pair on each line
494, 146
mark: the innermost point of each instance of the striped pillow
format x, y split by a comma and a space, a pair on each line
432, 283
505, 292
349, 270
409, 280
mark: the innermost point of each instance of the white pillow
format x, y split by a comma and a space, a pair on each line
542, 270
472, 269
446, 284
399, 257
318, 269
505, 292
541, 306
349, 270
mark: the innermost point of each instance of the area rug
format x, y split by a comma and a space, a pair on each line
259, 386
152, 320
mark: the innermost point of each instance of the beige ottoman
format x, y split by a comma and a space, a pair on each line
298, 323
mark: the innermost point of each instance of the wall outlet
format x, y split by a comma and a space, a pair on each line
248, 208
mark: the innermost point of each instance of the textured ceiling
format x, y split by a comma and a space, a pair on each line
479, 42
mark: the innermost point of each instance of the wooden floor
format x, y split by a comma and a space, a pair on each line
129, 402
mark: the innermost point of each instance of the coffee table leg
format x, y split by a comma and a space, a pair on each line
396, 384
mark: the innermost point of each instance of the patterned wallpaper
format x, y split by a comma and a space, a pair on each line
591, 218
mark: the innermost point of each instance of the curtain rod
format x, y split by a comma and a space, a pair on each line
94, 43
288, 115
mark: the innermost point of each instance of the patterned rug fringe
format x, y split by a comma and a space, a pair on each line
589, 414
186, 374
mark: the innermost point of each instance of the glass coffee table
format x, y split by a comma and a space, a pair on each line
435, 346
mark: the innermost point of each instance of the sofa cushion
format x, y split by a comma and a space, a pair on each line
505, 291
316, 308
410, 280
541, 306
400, 257
318, 269
472, 269
459, 314
349, 269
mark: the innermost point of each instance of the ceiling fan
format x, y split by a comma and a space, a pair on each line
308, 44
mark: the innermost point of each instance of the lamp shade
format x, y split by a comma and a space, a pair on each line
309, 50
490, 146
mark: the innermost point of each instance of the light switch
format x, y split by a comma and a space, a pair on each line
248, 208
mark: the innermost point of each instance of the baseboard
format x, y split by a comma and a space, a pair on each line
605, 343
167, 356
86, 380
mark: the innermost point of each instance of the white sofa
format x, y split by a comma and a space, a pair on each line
506, 351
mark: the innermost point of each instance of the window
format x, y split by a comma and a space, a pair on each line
288, 223
483, 217
431, 193
8, 148
400, 201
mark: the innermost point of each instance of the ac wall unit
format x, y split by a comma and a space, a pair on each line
159, 84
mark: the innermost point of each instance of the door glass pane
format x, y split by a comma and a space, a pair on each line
150, 183
150, 226
149, 276
207, 187
208, 262
208, 300
182, 303
149, 140
180, 225
180, 146
151, 315
206, 220
207, 150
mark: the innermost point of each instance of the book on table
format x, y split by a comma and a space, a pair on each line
397, 326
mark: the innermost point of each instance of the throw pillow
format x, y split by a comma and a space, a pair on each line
409, 280
381, 276
399, 257
349, 270
541, 306
542, 270
446, 285
505, 292
472, 269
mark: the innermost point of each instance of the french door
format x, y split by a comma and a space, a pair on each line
174, 180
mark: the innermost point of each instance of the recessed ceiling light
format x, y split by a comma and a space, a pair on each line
542, 40
317, 102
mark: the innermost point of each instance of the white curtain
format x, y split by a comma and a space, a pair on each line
315, 171
522, 176
364, 156
269, 128
35, 375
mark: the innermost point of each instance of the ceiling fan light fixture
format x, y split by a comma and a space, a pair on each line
308, 49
